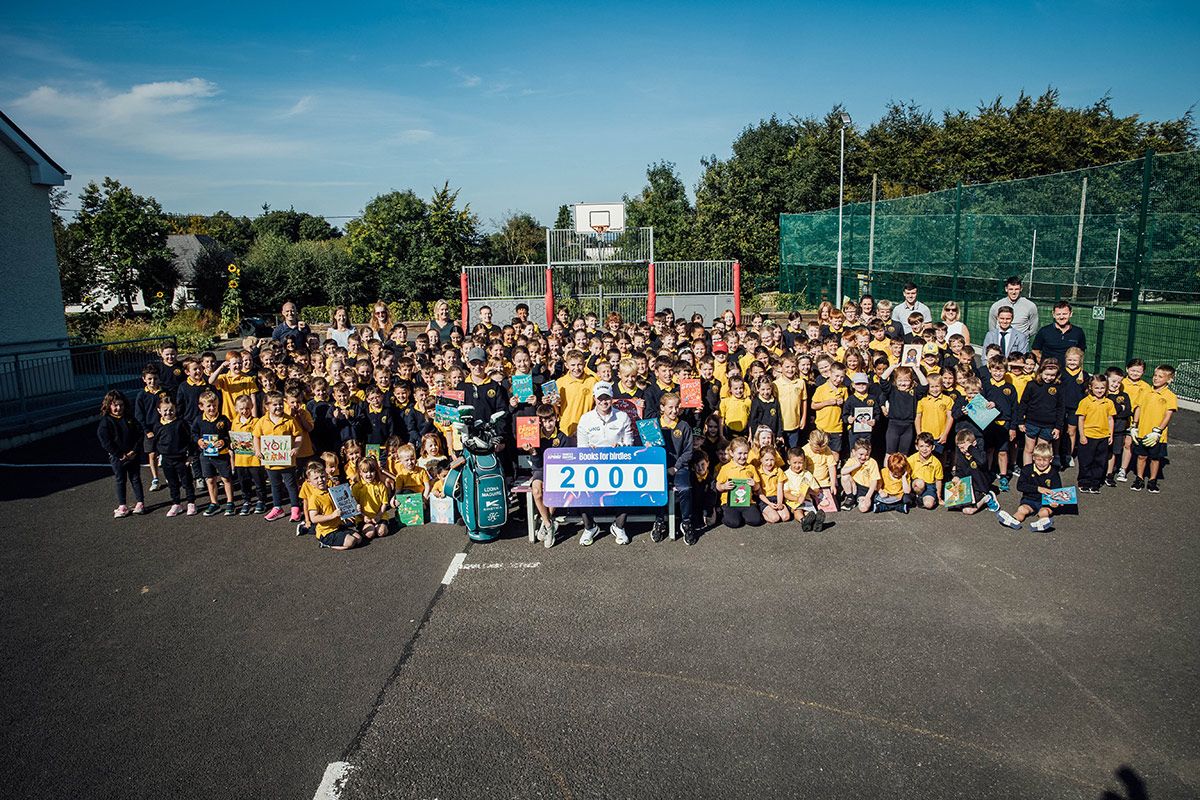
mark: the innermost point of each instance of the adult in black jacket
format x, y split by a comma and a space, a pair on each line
486, 395
121, 437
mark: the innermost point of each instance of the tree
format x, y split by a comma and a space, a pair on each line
663, 205
520, 240
235, 234
565, 219
76, 275
123, 242
293, 225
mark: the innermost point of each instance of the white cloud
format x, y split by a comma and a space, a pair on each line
414, 135
303, 105
168, 118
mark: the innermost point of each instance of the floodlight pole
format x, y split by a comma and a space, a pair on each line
841, 194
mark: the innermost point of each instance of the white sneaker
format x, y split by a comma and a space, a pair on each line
154, 485
541, 531
589, 536
1008, 520
1042, 525
1121, 476
619, 535
551, 535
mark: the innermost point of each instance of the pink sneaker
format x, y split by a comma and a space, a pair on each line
191, 510
274, 514
121, 512
175, 509
296, 514
140, 508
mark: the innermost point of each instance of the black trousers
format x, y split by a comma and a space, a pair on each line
737, 517
1092, 460
178, 476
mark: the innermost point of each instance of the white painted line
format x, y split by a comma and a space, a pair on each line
455, 565
332, 781
502, 565
43, 466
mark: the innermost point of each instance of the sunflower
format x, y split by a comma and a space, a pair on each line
233, 284
159, 295
233, 268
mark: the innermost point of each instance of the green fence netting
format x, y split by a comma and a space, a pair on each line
1072, 235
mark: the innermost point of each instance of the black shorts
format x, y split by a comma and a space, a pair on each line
995, 437
1033, 501
835, 443
860, 490
216, 467
336, 538
149, 444
1156, 453
538, 474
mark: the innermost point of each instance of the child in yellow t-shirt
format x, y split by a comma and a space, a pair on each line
408, 477
800, 492
895, 493
247, 469
821, 461
735, 409
739, 468
322, 514
770, 493
927, 472
860, 478
373, 495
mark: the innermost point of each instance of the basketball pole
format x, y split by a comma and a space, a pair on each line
466, 305
549, 298
651, 297
841, 200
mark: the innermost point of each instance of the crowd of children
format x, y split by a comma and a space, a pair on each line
765, 423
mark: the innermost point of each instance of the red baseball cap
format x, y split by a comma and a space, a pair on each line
720, 347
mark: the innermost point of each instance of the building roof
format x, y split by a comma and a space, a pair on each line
188, 249
43, 170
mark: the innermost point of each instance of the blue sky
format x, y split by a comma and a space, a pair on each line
524, 106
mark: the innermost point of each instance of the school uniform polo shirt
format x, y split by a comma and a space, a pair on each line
1096, 416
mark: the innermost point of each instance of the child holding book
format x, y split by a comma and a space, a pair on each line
247, 469
410, 478
822, 462
1041, 479
967, 464
322, 514
281, 476
211, 434
739, 469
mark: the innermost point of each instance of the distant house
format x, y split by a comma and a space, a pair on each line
31, 315
188, 251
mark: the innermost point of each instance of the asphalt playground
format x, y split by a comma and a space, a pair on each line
926, 655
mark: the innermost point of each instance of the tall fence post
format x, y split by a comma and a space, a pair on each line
20, 383
1079, 241
737, 292
1139, 253
549, 298
466, 305
957, 231
651, 296
1099, 349
104, 368
871, 232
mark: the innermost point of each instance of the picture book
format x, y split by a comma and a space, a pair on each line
276, 450
522, 388
740, 495
550, 391
911, 355
410, 508
441, 510
958, 492
528, 433
651, 432
242, 442
374, 451
826, 501
689, 393
630, 405
1066, 496
862, 419
979, 413
210, 445
344, 500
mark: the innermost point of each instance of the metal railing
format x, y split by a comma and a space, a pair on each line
40, 386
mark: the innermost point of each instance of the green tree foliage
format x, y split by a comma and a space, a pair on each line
663, 204
293, 225
565, 219
307, 272
520, 240
75, 274
235, 234
122, 242
414, 249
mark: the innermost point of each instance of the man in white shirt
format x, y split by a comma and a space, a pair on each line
604, 426
1025, 311
911, 305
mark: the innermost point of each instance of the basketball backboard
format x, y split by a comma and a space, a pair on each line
599, 217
